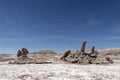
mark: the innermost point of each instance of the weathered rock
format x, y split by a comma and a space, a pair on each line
83, 46
74, 61
92, 50
83, 57
19, 53
65, 55
25, 51
22, 58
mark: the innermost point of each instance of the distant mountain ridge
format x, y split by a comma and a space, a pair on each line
110, 51
45, 52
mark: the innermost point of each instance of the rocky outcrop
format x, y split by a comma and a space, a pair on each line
23, 52
65, 55
23, 58
83, 46
83, 57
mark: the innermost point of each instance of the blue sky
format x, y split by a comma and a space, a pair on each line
58, 24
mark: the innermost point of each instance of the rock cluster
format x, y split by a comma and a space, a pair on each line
24, 52
22, 57
83, 57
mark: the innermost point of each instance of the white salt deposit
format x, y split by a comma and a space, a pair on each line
59, 72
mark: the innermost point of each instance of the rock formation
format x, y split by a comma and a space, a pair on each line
22, 58
25, 52
65, 55
83, 57
83, 46
19, 53
92, 50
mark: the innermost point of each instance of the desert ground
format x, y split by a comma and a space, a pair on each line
58, 69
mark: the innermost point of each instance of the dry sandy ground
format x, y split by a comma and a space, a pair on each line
59, 72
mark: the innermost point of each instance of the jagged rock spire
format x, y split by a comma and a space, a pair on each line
83, 46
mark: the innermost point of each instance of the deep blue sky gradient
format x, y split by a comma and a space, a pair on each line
58, 24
